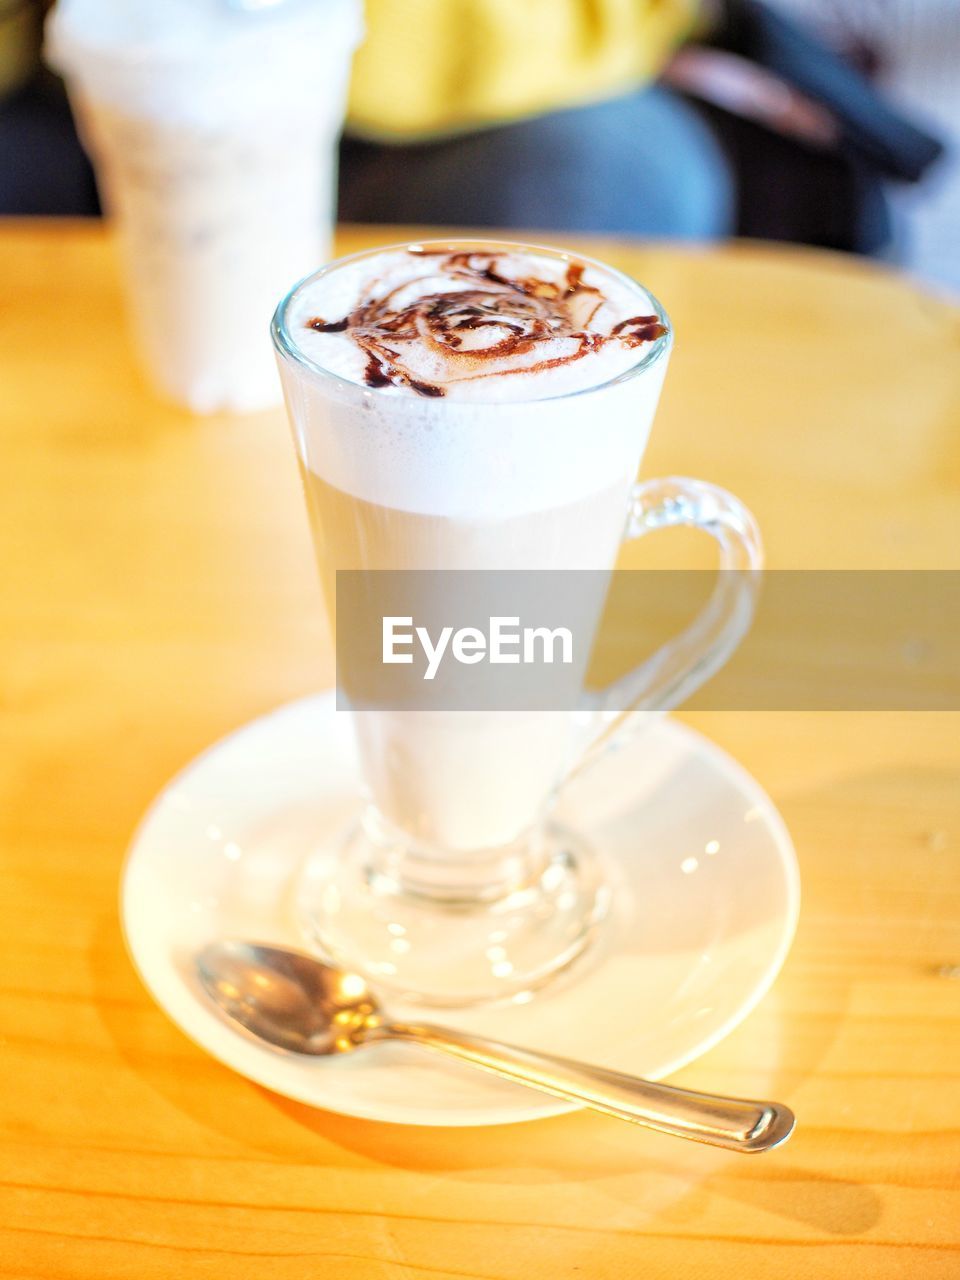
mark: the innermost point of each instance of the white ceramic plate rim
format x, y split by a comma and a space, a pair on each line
200, 1024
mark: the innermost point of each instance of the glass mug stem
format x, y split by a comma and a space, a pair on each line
450, 878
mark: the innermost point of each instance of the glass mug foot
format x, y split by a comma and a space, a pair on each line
519, 917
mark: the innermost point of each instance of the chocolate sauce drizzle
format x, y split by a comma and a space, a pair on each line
478, 328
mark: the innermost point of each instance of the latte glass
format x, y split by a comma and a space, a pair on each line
456, 884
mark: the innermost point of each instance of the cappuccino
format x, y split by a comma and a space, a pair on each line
437, 396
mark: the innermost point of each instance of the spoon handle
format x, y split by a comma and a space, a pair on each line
733, 1123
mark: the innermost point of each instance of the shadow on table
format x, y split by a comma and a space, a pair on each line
639, 1176
635, 1176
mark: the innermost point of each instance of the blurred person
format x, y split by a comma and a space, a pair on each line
799, 145
910, 48
43, 169
480, 112
688, 119
537, 113
820, 152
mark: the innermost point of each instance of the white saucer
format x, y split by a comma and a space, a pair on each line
707, 893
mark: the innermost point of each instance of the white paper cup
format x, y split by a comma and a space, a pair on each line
214, 138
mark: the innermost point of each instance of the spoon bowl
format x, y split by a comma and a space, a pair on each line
287, 998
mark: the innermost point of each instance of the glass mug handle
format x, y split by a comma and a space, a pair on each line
680, 666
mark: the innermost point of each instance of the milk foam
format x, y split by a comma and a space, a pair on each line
487, 450
408, 277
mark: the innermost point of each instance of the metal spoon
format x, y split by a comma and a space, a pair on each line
298, 1003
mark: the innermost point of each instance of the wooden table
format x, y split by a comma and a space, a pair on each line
158, 589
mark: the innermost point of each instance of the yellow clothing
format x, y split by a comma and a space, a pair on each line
433, 67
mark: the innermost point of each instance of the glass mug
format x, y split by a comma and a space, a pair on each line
456, 885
